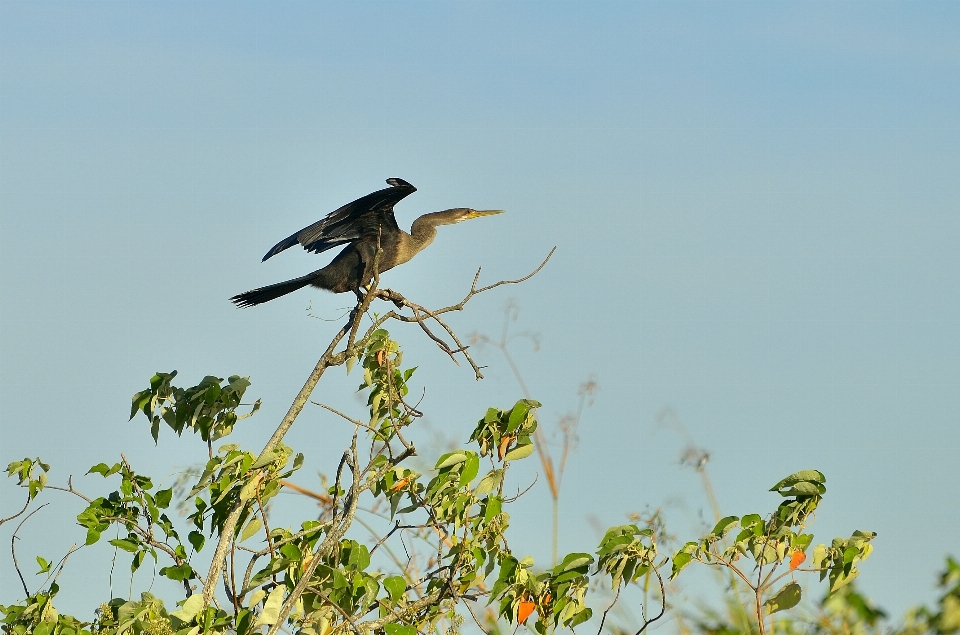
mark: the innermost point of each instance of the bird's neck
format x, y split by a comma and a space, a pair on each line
422, 233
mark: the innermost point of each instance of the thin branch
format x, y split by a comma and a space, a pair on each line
266, 526
332, 539
345, 615
733, 568
25, 505
410, 609
396, 526
519, 493
355, 422
63, 562
400, 301
663, 607
13, 550
69, 489
474, 291
326, 360
604, 618
476, 619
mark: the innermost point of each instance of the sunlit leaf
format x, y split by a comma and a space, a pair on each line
271, 608
191, 606
786, 598
252, 527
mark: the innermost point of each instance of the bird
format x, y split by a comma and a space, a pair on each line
363, 225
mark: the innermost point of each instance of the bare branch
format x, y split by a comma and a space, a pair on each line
25, 505
13, 550
400, 302
603, 620
663, 607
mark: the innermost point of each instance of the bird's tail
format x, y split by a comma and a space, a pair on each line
271, 292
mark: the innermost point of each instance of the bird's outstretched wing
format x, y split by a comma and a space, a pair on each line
364, 216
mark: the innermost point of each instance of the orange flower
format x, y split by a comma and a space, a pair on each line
400, 484
797, 559
524, 611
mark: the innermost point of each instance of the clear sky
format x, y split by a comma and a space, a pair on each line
756, 208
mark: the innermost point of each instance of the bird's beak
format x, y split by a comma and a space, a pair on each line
477, 213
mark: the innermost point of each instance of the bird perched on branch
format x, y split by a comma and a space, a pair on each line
362, 225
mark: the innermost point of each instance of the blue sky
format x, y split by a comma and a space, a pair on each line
755, 205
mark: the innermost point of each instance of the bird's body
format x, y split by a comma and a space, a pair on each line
363, 225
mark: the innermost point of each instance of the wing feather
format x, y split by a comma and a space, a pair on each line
364, 216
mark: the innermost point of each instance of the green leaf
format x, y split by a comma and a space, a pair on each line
191, 606
44, 565
574, 561
266, 459
395, 586
471, 469
725, 525
137, 561
183, 572
163, 497
271, 609
92, 536
291, 551
810, 476
104, 470
493, 506
819, 553
680, 560
249, 489
399, 629
581, 617
518, 415
804, 488
489, 482
126, 545
252, 527
450, 459
838, 578
786, 598
255, 597
519, 452
196, 540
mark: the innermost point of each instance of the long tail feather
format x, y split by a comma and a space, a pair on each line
271, 292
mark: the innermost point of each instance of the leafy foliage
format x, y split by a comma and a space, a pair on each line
318, 580
207, 408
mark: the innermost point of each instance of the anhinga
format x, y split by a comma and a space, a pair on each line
362, 225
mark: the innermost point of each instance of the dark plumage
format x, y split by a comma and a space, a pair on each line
361, 225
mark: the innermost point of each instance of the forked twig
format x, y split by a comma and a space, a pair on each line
400, 301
